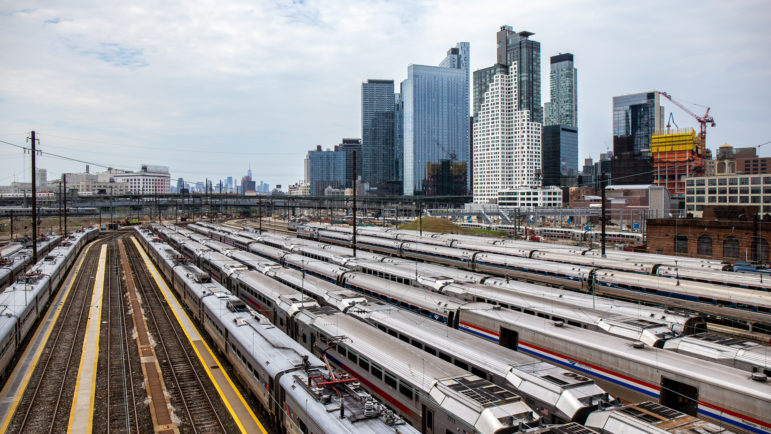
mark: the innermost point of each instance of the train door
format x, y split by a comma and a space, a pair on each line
679, 396
509, 339
427, 417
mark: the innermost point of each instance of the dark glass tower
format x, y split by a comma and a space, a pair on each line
518, 47
377, 131
560, 155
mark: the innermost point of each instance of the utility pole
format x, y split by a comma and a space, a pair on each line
259, 211
602, 221
60, 207
111, 210
354, 204
34, 202
64, 182
420, 217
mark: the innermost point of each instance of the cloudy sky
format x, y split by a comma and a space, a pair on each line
210, 87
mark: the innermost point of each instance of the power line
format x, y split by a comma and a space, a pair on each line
50, 154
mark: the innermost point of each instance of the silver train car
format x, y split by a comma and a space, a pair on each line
297, 389
560, 394
719, 393
26, 299
16, 257
432, 394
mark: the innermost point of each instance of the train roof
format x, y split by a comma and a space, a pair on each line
689, 287
431, 301
330, 293
706, 372
463, 395
649, 417
647, 330
429, 269
603, 304
544, 380
710, 346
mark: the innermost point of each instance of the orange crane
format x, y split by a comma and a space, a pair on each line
702, 120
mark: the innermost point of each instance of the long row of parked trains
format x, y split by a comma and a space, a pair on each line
690, 284
737, 307
293, 378
22, 303
661, 328
723, 394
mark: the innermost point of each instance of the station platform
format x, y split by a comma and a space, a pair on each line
82, 411
233, 399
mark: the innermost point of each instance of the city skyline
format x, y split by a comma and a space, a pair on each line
206, 99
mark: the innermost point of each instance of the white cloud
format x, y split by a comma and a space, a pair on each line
264, 81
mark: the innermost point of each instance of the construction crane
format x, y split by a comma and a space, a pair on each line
702, 120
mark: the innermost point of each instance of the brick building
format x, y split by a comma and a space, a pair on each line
729, 233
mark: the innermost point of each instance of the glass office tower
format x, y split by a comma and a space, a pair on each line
560, 155
436, 130
562, 109
377, 131
635, 118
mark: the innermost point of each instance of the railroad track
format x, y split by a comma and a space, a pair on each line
190, 391
48, 404
120, 392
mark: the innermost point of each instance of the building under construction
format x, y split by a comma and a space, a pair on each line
677, 154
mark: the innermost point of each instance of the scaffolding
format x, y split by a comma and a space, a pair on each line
677, 154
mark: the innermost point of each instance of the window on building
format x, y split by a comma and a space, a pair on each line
744, 181
760, 250
731, 247
704, 245
712, 181
721, 181
755, 180
681, 243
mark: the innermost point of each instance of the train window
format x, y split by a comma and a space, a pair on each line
445, 357
364, 363
405, 390
461, 365
390, 380
509, 338
376, 371
393, 333
430, 350
529, 312
417, 344
352, 356
341, 350
574, 324
382, 328
679, 396
404, 338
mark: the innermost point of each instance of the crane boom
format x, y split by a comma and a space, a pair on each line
702, 120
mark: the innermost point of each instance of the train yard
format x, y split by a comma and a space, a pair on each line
222, 328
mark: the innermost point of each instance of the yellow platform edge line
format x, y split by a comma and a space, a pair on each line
28, 376
98, 285
162, 284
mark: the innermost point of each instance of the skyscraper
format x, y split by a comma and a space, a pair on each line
349, 146
327, 169
507, 145
435, 102
635, 118
518, 47
377, 131
562, 109
560, 155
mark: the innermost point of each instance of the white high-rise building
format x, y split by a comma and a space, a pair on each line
507, 146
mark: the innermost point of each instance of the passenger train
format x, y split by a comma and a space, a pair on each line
441, 309
17, 256
26, 299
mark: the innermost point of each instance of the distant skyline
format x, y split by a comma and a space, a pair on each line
209, 88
